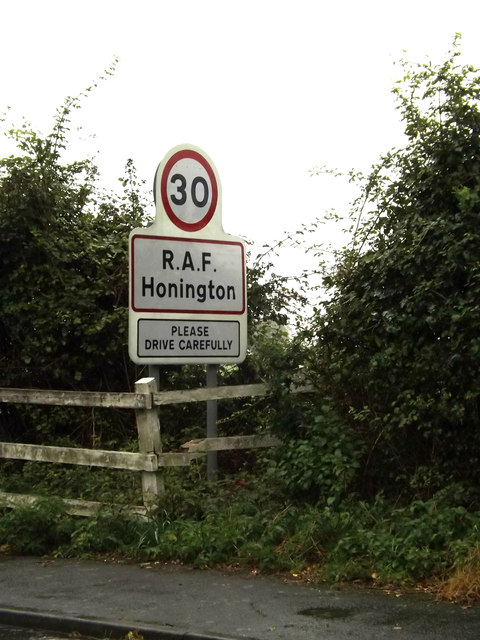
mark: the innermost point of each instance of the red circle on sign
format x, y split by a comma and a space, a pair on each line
182, 224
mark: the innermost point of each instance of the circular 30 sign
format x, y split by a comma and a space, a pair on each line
189, 190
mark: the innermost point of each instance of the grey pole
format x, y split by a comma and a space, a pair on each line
154, 372
212, 458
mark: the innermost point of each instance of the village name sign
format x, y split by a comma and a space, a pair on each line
187, 282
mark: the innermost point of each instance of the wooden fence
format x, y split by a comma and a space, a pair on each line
150, 459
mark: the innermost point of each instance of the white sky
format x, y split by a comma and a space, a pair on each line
267, 88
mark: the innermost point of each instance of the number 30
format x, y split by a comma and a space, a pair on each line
180, 197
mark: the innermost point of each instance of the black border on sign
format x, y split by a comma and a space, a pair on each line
193, 309
194, 155
177, 356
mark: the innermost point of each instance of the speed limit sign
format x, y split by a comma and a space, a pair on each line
189, 190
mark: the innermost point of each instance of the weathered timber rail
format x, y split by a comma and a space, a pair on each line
77, 398
150, 460
219, 393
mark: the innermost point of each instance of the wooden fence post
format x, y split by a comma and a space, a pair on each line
149, 441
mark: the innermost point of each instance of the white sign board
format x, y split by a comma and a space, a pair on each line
173, 339
187, 277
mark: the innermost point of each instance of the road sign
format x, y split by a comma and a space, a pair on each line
189, 190
187, 277
171, 339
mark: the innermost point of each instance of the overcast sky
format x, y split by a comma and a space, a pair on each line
267, 88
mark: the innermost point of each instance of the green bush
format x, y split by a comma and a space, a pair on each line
321, 459
396, 342
404, 544
35, 530
67, 481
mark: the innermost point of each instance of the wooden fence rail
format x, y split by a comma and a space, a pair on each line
77, 398
150, 460
220, 393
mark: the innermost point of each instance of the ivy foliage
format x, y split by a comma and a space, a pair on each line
397, 343
63, 266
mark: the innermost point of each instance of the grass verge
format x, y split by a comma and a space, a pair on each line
432, 542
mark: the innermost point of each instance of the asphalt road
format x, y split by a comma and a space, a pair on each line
103, 599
